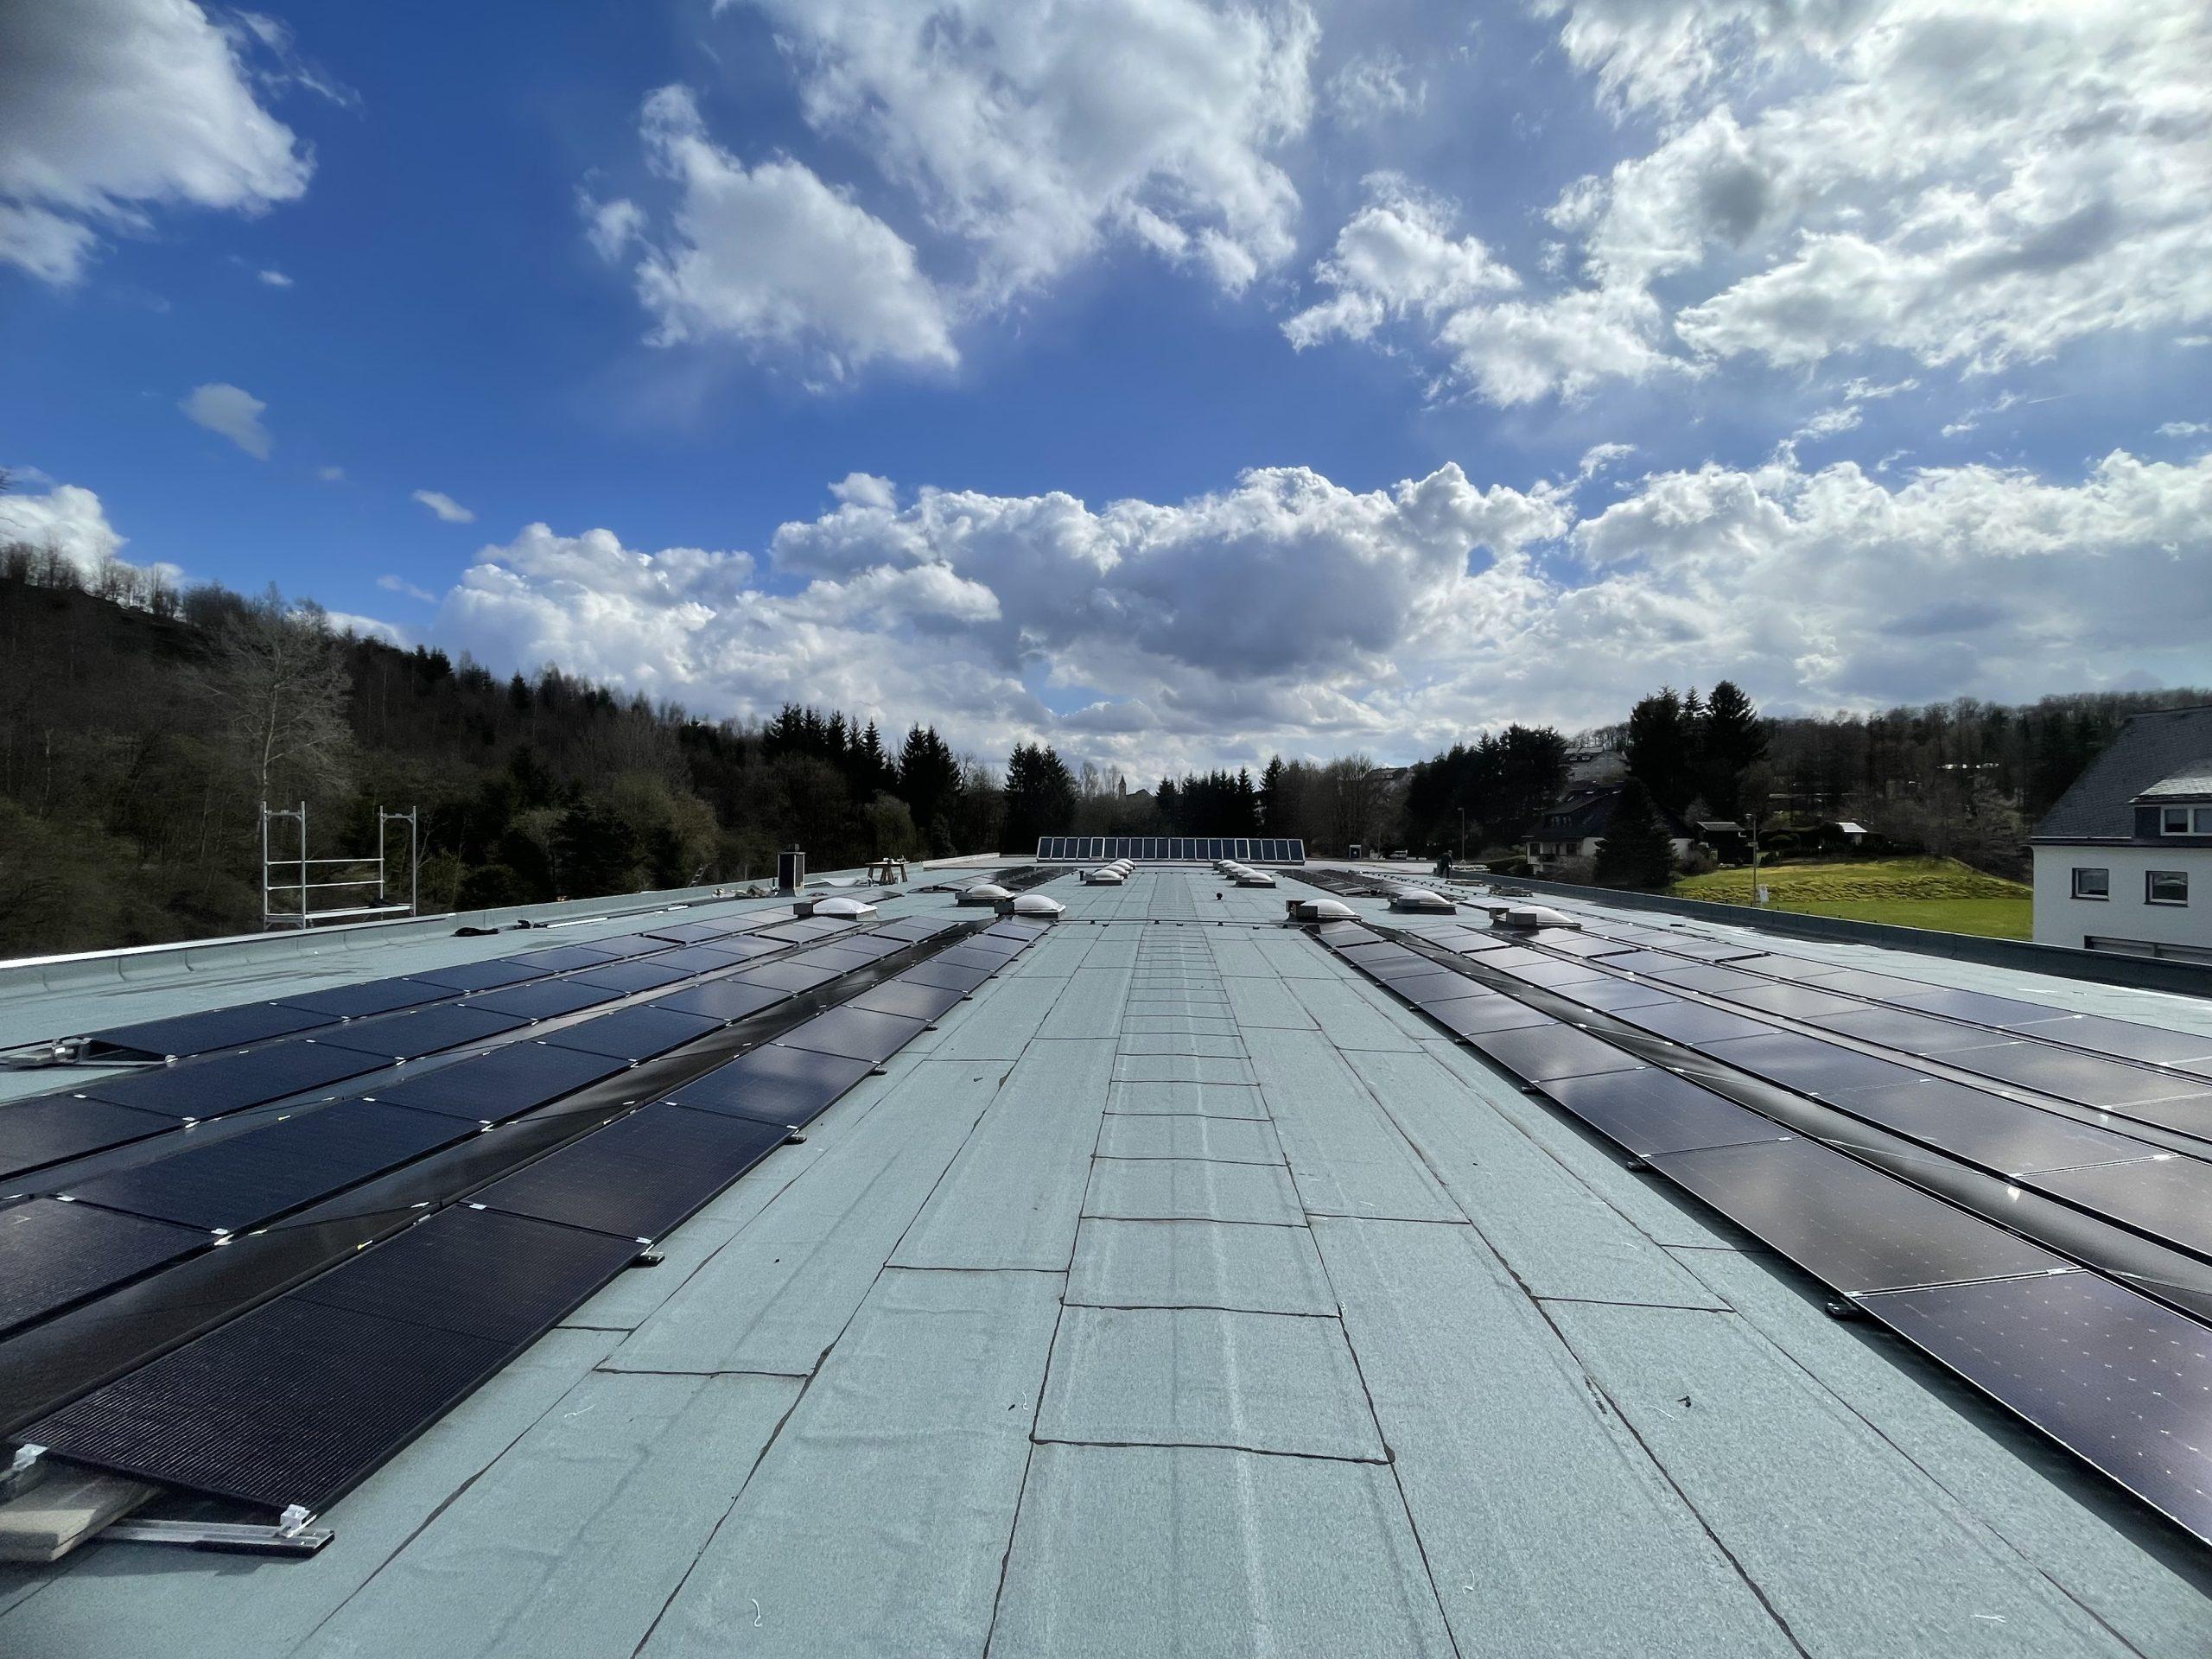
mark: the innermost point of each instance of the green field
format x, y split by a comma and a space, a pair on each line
1932, 893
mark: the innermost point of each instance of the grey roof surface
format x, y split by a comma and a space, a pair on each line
2150, 748
2192, 782
1183, 1293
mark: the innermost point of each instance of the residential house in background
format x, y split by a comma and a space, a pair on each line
1573, 826
2124, 860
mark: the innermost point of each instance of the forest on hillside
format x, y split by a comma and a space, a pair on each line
142, 727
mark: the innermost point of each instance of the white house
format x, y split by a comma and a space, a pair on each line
2124, 860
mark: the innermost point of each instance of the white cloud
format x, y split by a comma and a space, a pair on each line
1032, 133
445, 506
771, 255
1396, 258
2185, 428
68, 518
1373, 88
330, 474
1287, 611
276, 279
407, 589
233, 412
110, 109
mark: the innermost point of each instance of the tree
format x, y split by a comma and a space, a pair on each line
1636, 851
1039, 796
279, 682
1662, 744
1734, 740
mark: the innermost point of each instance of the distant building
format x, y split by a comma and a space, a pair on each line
2124, 860
1573, 826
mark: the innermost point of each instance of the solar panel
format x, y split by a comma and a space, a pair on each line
372, 997
2120, 1381
634, 1034
2083, 1077
2121, 1038
1692, 1022
1614, 995
296, 1399
630, 944
792, 976
1969, 1004
1652, 1111
426, 1031
1915, 1033
690, 932
1798, 1002
53, 1254
724, 1000
479, 975
240, 1180
547, 999
1539, 1054
946, 977
773, 1085
1706, 976
561, 958
505, 1084
640, 1176
52, 1128
924, 1002
1561, 974
2169, 1197
1848, 1224
855, 1033
1425, 989
628, 976
225, 1083
1999, 1135
216, 1029
1809, 1065
1475, 1016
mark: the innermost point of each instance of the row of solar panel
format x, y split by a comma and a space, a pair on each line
98, 1232
1160, 850
2121, 1380
358, 1029
299, 1399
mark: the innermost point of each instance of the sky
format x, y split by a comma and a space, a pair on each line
1175, 381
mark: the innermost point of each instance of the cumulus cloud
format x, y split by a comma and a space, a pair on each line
111, 108
444, 506
1965, 186
67, 518
276, 279
1372, 88
770, 256
233, 412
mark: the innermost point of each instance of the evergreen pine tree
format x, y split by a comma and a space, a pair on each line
1636, 851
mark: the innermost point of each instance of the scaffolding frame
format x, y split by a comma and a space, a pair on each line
288, 903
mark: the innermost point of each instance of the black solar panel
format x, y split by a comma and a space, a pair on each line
1809, 1065
475, 1272
681, 963
629, 976
856, 1034
2169, 1197
547, 999
902, 996
1705, 977
722, 1000
1474, 1016
872, 946
427, 1031
975, 954
52, 1127
788, 975
1915, 1033
1539, 1054
1652, 1110
1439, 987
634, 1034
690, 933
840, 958
2083, 1077
561, 958
1849, 1225
479, 975
773, 1085
1969, 1004
225, 1083
1692, 1022
1614, 995
630, 944
1798, 1002
637, 1177
945, 976
243, 1180
375, 996
2121, 1381
216, 1029
504, 1084
2001, 1136
53, 1254
293, 1402
1341, 934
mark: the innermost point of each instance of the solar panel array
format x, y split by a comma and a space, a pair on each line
1170, 849
2119, 1377
298, 1399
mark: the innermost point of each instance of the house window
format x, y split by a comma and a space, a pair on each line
2173, 820
2166, 887
2092, 883
2203, 817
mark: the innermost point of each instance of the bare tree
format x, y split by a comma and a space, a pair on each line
278, 681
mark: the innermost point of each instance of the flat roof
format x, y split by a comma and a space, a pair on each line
1181, 1292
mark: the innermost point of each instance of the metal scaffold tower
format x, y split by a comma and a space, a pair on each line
291, 884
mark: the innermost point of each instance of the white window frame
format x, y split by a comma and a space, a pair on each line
2081, 870
2173, 820
2149, 887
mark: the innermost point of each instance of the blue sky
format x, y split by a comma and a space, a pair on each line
1177, 381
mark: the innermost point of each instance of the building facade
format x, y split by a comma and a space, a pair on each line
2124, 860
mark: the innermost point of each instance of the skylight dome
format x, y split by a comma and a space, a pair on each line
842, 908
1422, 899
1035, 906
984, 892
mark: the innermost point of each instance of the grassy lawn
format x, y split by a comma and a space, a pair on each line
1933, 892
